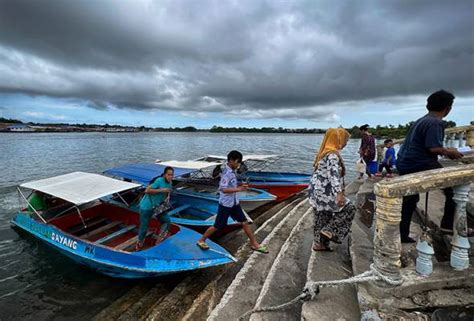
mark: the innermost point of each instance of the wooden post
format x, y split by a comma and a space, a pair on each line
387, 243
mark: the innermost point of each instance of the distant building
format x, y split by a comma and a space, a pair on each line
20, 128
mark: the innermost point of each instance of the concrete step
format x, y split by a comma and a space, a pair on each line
207, 299
242, 294
287, 277
118, 307
182, 302
147, 295
138, 310
335, 303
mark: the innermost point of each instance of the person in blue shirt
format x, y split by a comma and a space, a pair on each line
419, 152
229, 204
155, 194
388, 160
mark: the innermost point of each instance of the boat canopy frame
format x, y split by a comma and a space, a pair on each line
64, 187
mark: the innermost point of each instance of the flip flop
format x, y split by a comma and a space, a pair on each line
139, 246
202, 246
262, 249
323, 249
326, 237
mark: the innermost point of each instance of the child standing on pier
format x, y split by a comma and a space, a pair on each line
229, 204
388, 160
333, 212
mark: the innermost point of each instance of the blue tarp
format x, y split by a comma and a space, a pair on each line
144, 173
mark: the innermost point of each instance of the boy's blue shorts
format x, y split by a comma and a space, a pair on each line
223, 214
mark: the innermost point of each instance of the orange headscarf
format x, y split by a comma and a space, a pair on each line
333, 142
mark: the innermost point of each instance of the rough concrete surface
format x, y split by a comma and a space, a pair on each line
287, 277
210, 296
332, 303
242, 294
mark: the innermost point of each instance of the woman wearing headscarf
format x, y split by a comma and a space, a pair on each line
333, 212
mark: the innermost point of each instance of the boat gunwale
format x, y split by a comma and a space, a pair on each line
109, 263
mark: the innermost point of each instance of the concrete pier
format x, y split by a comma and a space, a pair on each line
259, 280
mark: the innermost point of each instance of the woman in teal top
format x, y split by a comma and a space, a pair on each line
155, 194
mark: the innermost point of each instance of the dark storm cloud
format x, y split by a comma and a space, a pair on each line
263, 58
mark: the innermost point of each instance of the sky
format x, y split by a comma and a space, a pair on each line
247, 63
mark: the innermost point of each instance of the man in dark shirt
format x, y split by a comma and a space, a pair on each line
419, 152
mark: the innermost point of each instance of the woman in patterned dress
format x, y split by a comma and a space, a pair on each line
333, 212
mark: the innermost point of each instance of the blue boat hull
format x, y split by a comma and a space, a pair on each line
176, 254
253, 198
277, 177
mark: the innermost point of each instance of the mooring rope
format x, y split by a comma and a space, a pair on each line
312, 288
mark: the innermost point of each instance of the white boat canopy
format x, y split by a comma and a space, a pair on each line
192, 164
249, 157
79, 187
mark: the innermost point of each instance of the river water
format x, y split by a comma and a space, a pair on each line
35, 281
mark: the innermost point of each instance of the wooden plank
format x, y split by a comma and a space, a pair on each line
130, 242
101, 229
90, 223
115, 234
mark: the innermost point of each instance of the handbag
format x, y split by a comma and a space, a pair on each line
161, 208
361, 166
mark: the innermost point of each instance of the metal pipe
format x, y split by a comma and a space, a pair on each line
29, 204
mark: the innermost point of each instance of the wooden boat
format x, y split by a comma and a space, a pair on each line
102, 235
280, 184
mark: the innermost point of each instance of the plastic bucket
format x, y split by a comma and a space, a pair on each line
373, 167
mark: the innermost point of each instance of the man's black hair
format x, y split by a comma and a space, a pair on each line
364, 127
387, 141
439, 100
235, 155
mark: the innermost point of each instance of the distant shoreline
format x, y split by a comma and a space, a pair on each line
17, 126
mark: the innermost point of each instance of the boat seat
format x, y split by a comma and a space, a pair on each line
100, 229
115, 234
130, 242
89, 222
178, 209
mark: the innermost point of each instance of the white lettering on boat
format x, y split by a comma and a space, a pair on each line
64, 241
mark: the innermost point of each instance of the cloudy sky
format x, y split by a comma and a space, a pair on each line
234, 63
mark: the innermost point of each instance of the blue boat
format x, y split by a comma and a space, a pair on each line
102, 235
252, 171
255, 176
194, 205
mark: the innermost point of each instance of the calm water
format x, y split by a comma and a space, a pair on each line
35, 281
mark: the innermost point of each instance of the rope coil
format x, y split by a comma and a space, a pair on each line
312, 289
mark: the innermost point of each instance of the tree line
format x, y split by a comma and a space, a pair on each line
390, 131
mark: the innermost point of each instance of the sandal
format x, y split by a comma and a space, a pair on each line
138, 246
322, 249
202, 246
329, 237
262, 249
